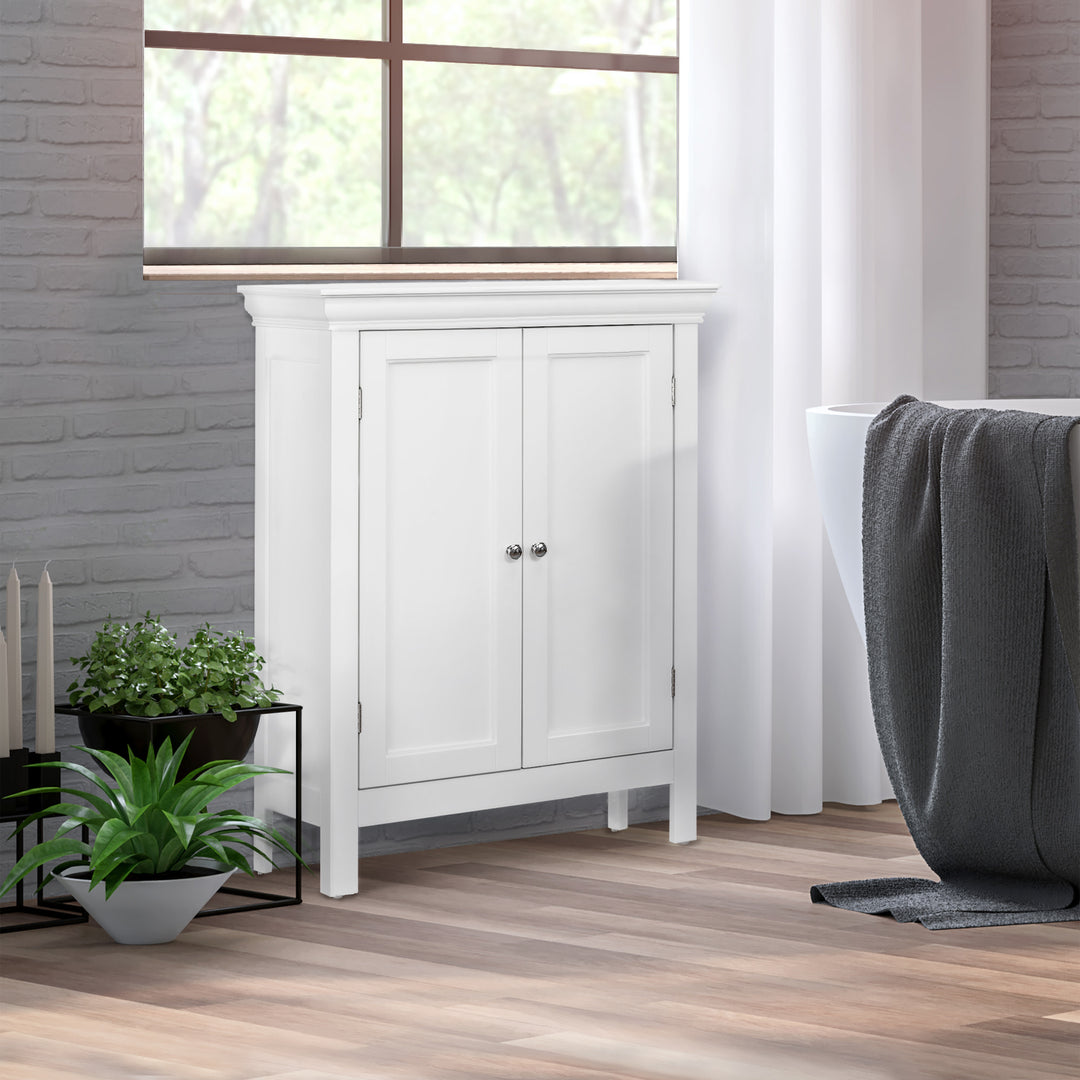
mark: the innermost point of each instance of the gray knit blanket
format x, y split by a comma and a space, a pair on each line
973, 639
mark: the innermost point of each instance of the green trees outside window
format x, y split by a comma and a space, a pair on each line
552, 143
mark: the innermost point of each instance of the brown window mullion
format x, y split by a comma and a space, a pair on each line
270, 44
390, 50
393, 124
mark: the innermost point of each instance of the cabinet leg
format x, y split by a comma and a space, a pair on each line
618, 805
682, 813
339, 858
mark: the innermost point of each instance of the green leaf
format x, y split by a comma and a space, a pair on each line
104, 808
111, 836
39, 855
191, 797
183, 827
113, 764
111, 795
142, 784
117, 870
216, 850
173, 856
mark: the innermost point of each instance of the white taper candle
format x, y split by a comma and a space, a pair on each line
45, 723
14, 661
5, 734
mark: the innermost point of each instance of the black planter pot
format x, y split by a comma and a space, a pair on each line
214, 737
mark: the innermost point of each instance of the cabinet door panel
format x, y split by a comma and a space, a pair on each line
440, 602
598, 491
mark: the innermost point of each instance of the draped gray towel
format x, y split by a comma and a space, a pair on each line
973, 639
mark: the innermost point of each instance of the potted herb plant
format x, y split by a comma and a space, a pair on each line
139, 686
156, 851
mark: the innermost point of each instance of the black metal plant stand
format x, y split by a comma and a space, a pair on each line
16, 777
264, 899
54, 911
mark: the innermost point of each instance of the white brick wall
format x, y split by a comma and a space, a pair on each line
126, 409
1035, 199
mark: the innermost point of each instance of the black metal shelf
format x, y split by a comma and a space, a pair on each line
58, 911
15, 777
271, 900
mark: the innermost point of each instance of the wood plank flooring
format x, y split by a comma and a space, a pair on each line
585, 956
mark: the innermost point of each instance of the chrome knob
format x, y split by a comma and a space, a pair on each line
539, 549
514, 551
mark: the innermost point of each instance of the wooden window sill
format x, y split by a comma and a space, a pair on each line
416, 272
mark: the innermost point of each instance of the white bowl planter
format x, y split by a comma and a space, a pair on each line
147, 912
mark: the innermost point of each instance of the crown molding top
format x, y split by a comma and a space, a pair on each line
430, 305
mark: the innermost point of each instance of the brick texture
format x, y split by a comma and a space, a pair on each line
134, 480
1035, 199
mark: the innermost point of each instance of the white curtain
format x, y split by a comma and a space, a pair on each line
833, 184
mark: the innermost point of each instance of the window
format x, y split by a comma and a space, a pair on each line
403, 131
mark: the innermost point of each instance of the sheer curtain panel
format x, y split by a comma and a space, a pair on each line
833, 181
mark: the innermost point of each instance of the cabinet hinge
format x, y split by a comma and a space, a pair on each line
672, 682
359, 403
673, 391
359, 717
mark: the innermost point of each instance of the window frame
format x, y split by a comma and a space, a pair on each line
392, 257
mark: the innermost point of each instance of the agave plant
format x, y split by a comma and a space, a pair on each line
149, 821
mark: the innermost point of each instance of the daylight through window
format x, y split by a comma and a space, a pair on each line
374, 131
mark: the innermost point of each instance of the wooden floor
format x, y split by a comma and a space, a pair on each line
576, 957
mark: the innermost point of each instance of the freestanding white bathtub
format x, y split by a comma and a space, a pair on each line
837, 436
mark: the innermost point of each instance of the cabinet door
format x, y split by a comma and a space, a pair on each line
598, 490
440, 600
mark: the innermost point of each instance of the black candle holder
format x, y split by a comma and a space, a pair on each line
17, 777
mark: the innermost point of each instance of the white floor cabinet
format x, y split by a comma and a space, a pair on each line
476, 546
